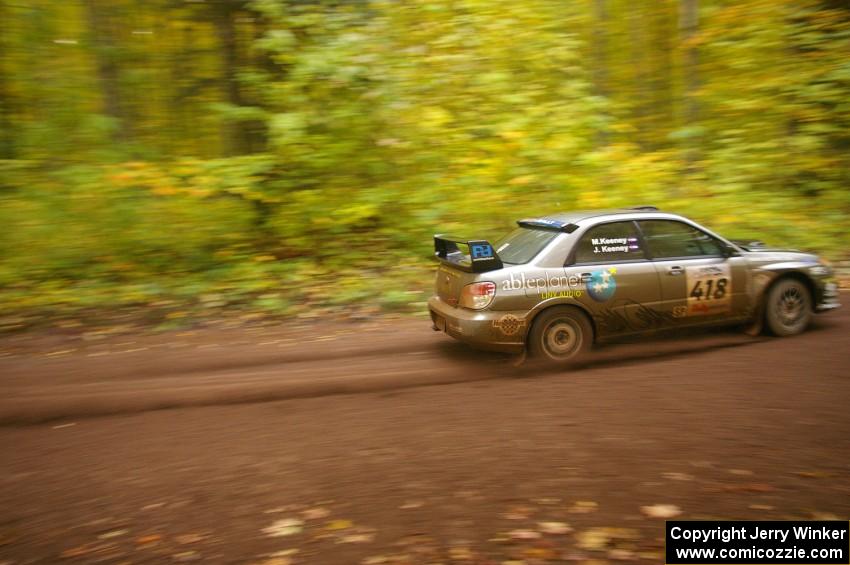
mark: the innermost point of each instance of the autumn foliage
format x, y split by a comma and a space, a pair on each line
282, 157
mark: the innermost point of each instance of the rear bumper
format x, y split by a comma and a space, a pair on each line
828, 298
496, 331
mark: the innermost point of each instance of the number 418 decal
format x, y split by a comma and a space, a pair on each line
712, 290
709, 289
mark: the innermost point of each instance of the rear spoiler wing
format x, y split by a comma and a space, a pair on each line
482, 256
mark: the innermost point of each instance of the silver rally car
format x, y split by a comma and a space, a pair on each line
558, 284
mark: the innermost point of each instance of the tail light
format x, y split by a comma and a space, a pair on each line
477, 296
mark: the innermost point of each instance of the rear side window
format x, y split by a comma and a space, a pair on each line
668, 239
522, 245
607, 243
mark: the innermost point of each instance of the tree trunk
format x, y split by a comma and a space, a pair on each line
688, 26
236, 139
101, 30
7, 140
600, 62
638, 55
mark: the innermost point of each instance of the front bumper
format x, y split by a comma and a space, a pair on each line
496, 331
828, 298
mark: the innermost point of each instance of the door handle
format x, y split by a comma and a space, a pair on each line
585, 277
675, 270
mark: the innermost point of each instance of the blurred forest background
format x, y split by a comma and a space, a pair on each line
185, 158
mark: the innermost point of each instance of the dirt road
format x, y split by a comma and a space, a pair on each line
346, 460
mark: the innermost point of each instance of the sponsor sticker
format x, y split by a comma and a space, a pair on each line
602, 284
481, 252
509, 324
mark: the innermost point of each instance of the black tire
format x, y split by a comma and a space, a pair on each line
559, 335
788, 308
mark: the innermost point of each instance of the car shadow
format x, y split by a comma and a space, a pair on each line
621, 352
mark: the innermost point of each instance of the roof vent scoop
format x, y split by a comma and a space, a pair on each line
643, 208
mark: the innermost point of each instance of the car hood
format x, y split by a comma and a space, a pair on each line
758, 250
769, 254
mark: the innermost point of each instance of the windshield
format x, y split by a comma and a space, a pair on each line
523, 244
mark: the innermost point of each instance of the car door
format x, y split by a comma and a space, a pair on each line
700, 282
620, 285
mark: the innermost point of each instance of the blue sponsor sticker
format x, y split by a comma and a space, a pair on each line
481, 251
602, 284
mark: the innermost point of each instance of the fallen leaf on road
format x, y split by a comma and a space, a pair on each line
593, 540
673, 476
287, 508
524, 534
285, 527
761, 507
186, 539
814, 474
95, 552
357, 538
411, 504
149, 539
315, 513
622, 555
597, 539
556, 528
338, 525
186, 556
583, 507
461, 554
284, 553
823, 516
112, 534
543, 553
741, 472
661, 510
78, 551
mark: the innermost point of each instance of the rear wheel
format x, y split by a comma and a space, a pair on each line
560, 334
788, 307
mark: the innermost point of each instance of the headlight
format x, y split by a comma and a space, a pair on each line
478, 295
820, 270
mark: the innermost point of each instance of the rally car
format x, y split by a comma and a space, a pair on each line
558, 284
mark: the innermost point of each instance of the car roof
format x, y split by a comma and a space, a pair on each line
567, 221
578, 215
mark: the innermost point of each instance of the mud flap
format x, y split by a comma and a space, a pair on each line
756, 328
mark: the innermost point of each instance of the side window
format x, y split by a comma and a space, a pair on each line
668, 239
614, 242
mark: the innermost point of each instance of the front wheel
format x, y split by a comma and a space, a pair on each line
788, 307
559, 335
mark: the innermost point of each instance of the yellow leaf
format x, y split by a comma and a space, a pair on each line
339, 525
